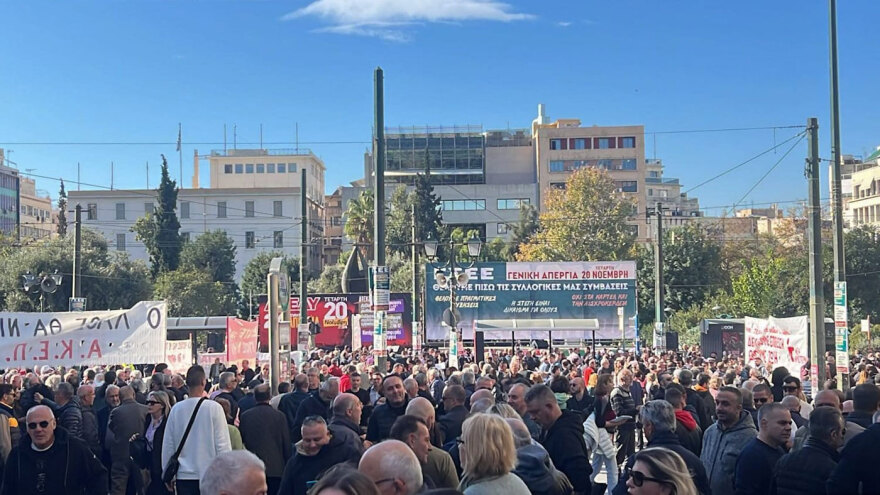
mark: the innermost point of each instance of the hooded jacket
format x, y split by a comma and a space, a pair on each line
721, 448
565, 443
534, 467
73, 468
302, 468
688, 432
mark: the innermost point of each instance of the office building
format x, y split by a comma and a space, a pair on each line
9, 197
37, 220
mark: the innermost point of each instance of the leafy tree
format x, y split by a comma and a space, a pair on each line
358, 222
110, 279
429, 218
61, 226
692, 270
584, 222
212, 252
494, 250
191, 292
525, 229
755, 291
330, 280
862, 248
398, 223
160, 231
253, 280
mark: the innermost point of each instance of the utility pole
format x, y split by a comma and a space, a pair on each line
416, 324
379, 193
836, 200
77, 251
817, 291
659, 314
272, 282
306, 339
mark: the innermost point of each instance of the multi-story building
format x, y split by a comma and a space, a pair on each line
857, 179
256, 204
333, 233
9, 197
563, 146
37, 220
678, 208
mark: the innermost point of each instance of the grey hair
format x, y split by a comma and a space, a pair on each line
468, 377
325, 387
225, 377
65, 389
421, 379
226, 471
110, 387
660, 414
404, 465
138, 385
521, 436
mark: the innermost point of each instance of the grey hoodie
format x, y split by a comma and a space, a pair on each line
721, 449
534, 467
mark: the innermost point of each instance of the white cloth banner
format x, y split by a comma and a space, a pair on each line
135, 335
179, 355
778, 341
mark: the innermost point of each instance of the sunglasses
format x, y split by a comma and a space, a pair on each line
638, 478
41, 424
761, 401
152, 402
790, 389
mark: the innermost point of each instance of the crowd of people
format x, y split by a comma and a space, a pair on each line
530, 422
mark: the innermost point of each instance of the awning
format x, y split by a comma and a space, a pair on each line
538, 324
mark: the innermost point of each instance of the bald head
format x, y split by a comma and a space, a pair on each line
395, 461
422, 408
827, 398
482, 394
791, 403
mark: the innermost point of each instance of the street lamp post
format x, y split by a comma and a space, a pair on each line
47, 284
446, 277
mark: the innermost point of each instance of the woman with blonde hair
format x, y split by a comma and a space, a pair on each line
488, 455
659, 471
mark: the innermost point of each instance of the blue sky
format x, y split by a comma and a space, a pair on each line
128, 72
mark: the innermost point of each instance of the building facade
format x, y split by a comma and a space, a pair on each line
37, 220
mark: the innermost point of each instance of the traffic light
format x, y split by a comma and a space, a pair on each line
314, 328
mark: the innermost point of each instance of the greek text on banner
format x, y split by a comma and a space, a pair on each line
135, 335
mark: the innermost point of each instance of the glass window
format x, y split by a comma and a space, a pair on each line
628, 142
184, 209
502, 228
120, 211
604, 143
227, 169
92, 212
605, 164
221, 209
261, 168
291, 168
557, 144
249, 240
580, 144
249, 208
278, 239
270, 168
148, 208
120, 242
628, 186
239, 168
281, 168
650, 192
628, 164
248, 168
557, 166
276, 208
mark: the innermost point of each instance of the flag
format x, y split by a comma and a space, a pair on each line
178, 136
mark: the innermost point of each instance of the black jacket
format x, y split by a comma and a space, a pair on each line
90, 429
312, 406
564, 441
381, 420
264, 432
704, 418
582, 405
345, 430
156, 486
301, 469
805, 471
69, 416
858, 465
68, 468
450, 423
670, 441
289, 404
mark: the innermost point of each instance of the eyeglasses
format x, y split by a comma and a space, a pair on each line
41, 424
152, 402
762, 401
792, 388
638, 478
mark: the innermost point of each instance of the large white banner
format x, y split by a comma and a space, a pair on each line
179, 355
778, 342
135, 335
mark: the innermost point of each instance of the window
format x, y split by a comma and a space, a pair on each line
221, 209
502, 228
249, 240
227, 169
291, 168
628, 164
184, 237
248, 168
579, 144
463, 204
557, 165
30, 210
148, 208
92, 212
270, 168
184, 209
278, 239
634, 229
239, 168
120, 242
261, 168
249, 208
604, 143
664, 193
512, 204
276, 208
650, 192
627, 186
605, 164
280, 168
120, 211
628, 142
558, 144
557, 185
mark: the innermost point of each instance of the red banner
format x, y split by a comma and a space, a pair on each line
241, 341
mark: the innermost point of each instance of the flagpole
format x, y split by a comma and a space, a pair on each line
180, 152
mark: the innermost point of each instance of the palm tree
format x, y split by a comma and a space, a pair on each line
358, 222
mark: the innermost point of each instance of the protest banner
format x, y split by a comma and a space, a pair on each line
178, 355
206, 359
241, 341
135, 335
778, 341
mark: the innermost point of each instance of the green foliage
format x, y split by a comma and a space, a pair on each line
398, 223
358, 222
253, 280
584, 222
524, 230
212, 252
862, 248
190, 292
110, 280
61, 225
687, 321
330, 280
429, 217
160, 231
755, 291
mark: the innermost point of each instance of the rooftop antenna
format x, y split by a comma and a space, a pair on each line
297, 138
111, 176
224, 138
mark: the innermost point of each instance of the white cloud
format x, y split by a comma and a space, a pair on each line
387, 18
564, 24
